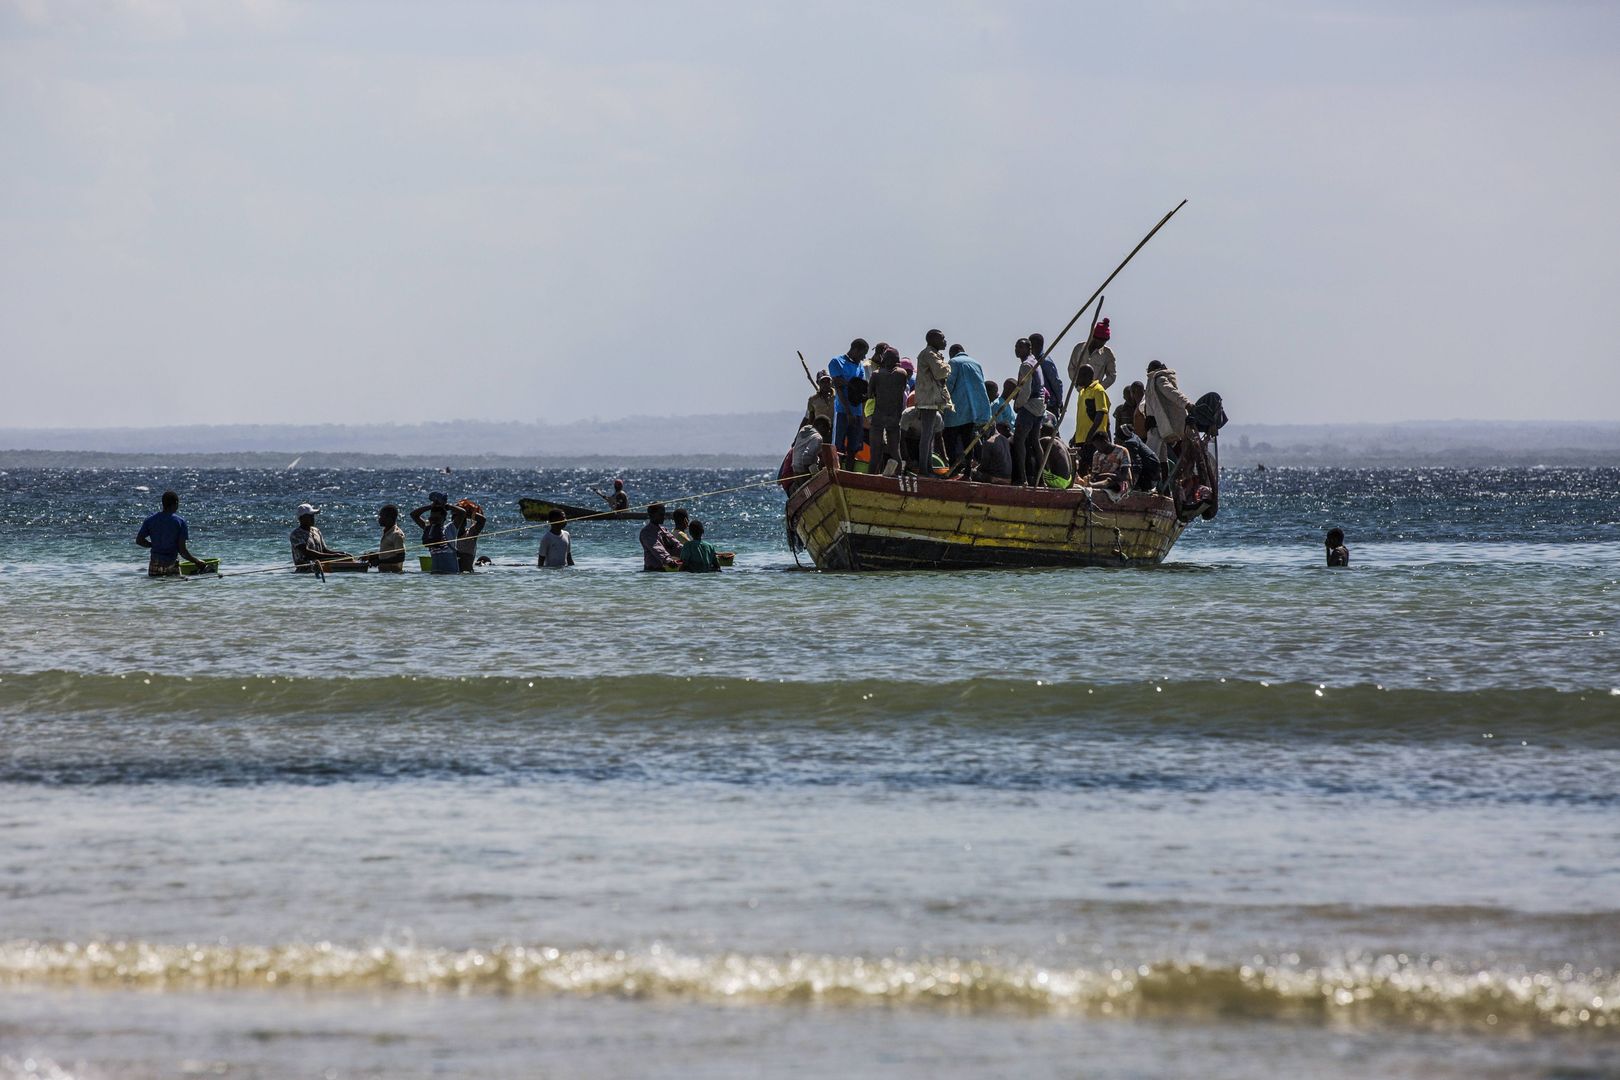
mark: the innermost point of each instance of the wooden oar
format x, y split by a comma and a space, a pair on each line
1068, 397
807, 374
1024, 376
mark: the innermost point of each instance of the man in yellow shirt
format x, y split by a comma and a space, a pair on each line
1091, 417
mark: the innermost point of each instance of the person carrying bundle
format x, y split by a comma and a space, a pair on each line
438, 533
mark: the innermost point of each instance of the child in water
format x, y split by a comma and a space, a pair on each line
698, 556
1337, 553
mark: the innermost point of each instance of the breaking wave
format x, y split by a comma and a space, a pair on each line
1225, 707
1416, 992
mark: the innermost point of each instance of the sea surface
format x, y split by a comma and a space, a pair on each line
1236, 816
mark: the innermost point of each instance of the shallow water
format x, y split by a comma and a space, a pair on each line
1235, 815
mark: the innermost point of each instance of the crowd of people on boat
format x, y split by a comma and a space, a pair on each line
938, 415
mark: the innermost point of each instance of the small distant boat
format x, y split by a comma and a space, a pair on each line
540, 510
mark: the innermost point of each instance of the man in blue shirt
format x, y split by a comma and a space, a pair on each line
166, 534
970, 403
1049, 376
849, 411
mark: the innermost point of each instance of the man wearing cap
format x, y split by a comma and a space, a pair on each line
821, 402
1096, 353
933, 397
308, 546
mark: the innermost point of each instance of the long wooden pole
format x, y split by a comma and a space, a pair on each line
806, 367
1024, 376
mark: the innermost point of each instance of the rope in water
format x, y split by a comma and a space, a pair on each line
320, 563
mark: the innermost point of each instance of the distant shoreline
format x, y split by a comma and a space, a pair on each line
94, 459
1232, 459
749, 441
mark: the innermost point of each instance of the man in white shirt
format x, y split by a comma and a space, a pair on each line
807, 445
1096, 353
390, 556
556, 546
308, 545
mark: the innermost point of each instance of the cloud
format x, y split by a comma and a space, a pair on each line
521, 212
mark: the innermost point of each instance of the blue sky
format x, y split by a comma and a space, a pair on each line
265, 211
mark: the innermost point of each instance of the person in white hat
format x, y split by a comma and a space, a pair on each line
307, 543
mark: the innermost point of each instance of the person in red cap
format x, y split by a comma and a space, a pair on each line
1096, 353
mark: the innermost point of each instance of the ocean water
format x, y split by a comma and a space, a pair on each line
1235, 816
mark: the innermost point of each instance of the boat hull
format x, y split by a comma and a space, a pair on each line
857, 521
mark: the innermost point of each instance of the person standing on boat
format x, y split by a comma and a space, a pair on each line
933, 398
1093, 414
1030, 404
620, 500
970, 405
821, 403
1050, 377
308, 545
659, 548
849, 411
438, 533
888, 402
1096, 353
166, 533
556, 546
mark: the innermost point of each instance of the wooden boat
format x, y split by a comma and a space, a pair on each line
540, 510
861, 521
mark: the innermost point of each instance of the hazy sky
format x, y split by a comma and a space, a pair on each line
218, 212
